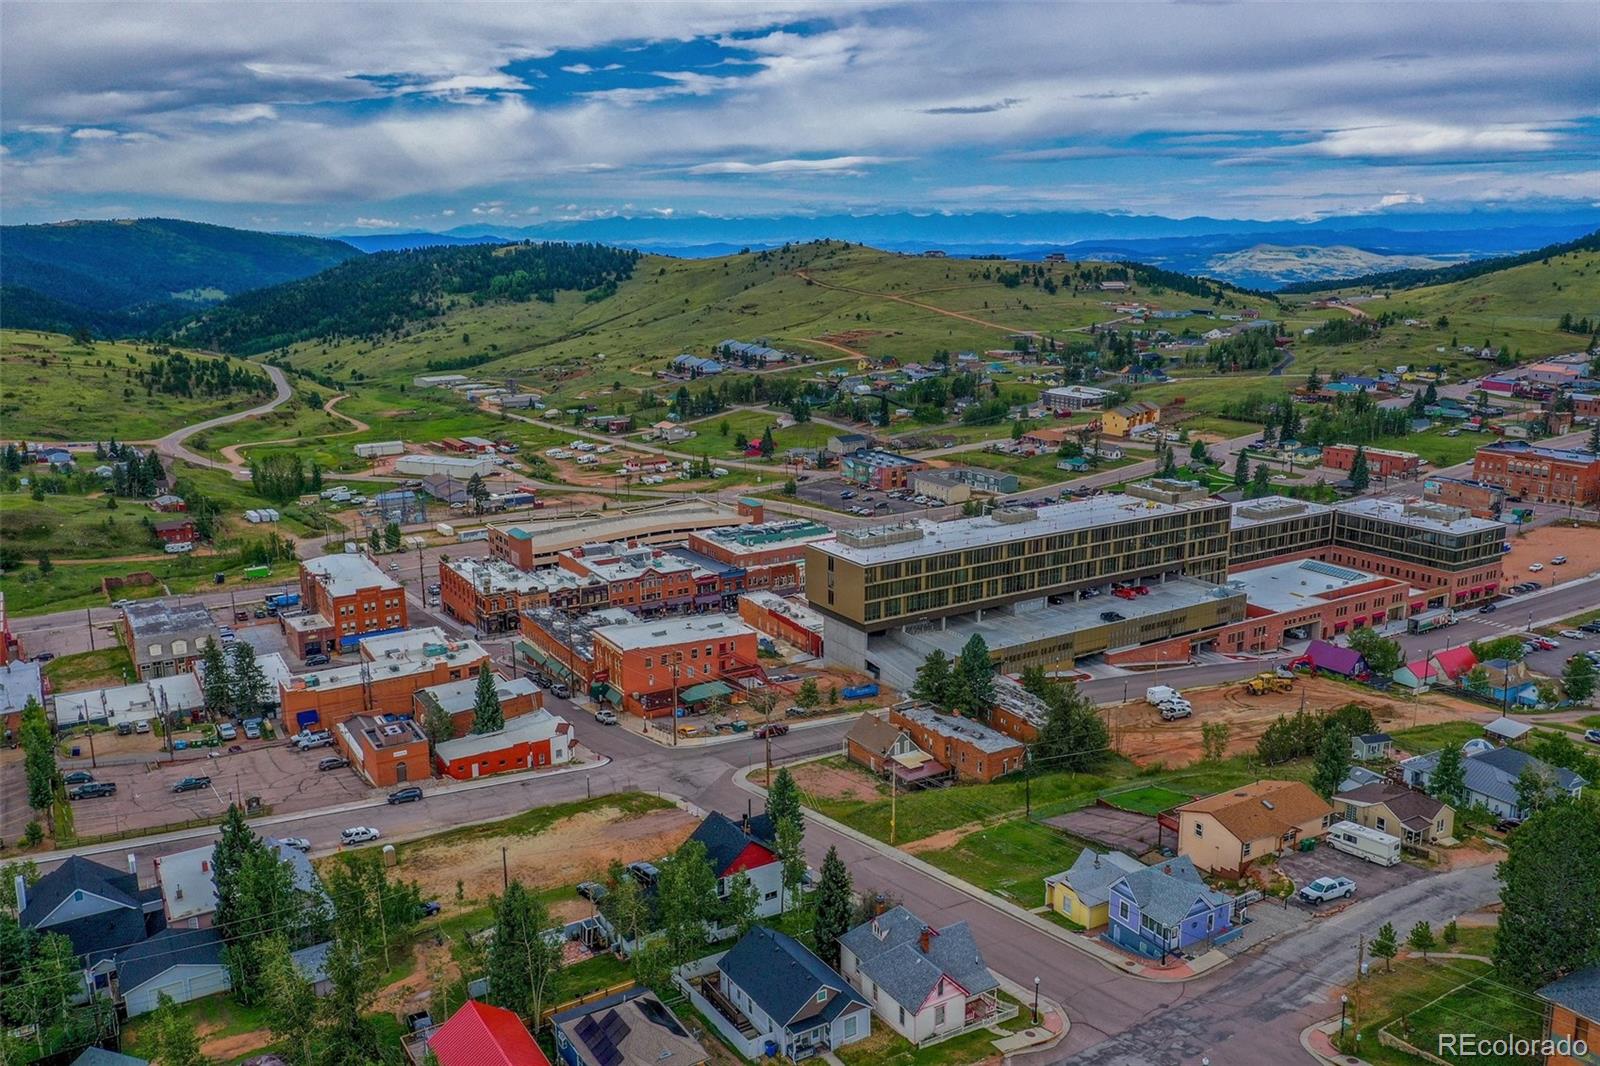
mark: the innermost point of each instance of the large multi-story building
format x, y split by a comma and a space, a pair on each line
392, 669
767, 555
1448, 557
1477, 498
1539, 474
874, 468
536, 545
1069, 398
166, 637
1028, 581
354, 595
487, 594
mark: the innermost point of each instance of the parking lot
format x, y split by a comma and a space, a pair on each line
284, 779
1304, 867
827, 493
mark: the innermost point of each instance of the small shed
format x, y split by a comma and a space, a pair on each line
1507, 730
1369, 746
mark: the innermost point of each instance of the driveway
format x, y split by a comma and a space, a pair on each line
1370, 878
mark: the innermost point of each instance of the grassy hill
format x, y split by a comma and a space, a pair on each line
53, 388
128, 275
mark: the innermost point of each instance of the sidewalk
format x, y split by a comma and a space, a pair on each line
1052, 1028
659, 735
1318, 1041
1178, 970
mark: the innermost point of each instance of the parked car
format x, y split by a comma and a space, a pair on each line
593, 891
1534, 568
1172, 712
1325, 888
1110, 616
1592, 735
332, 762
1488, 608
428, 908
78, 777
44, 656
405, 795
1574, 634
322, 739
1560, 560
561, 691
316, 660
241, 616
1590, 627
93, 790
297, 843
358, 834
252, 728
606, 716
142, 726
227, 732
771, 729
192, 784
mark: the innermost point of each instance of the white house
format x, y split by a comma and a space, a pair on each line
924, 983
744, 847
1491, 777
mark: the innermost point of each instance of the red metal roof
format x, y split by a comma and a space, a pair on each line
481, 1035
1454, 662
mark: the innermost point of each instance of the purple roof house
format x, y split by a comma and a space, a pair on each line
1336, 660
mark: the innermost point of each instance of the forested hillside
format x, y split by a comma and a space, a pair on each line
130, 275
367, 297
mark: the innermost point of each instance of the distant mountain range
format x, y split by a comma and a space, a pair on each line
1322, 250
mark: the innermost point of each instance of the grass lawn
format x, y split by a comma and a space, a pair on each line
1148, 799
1425, 738
220, 1014
591, 975
1223, 427
66, 587
75, 527
885, 1047
710, 440
1481, 1006
1061, 919
1011, 859
89, 669
1039, 469
1433, 445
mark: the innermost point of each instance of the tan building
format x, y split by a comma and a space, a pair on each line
1227, 832
1415, 817
539, 544
1122, 421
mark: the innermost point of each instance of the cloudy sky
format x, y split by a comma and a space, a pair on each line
330, 117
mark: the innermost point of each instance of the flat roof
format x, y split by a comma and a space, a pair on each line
387, 731
1283, 587
974, 733
1438, 517
454, 696
1247, 513
879, 457
394, 655
765, 536
925, 538
20, 682
623, 525
162, 618
347, 574
796, 610
524, 728
494, 575
674, 630
1521, 447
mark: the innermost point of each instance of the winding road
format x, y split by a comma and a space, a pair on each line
172, 445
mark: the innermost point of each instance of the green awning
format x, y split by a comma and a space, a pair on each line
600, 690
706, 690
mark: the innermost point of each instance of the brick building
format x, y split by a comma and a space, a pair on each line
484, 593
392, 668
1539, 474
1477, 498
1585, 405
166, 637
536, 545
386, 750
767, 555
458, 699
691, 658
788, 620
355, 596
873, 468
971, 749
1381, 462
529, 742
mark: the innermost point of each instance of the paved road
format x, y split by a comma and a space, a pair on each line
172, 447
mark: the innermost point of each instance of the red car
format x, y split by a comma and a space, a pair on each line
771, 729
1125, 594
1141, 590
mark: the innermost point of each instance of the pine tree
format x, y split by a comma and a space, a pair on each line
1386, 945
487, 717
808, 695
391, 536
934, 683
1333, 760
1551, 894
783, 798
789, 843
522, 962
973, 678
216, 686
250, 688
1448, 782
1241, 470
1421, 938
38, 757
834, 904
1261, 481
1360, 477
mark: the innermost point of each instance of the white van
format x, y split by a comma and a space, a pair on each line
1364, 843
1156, 695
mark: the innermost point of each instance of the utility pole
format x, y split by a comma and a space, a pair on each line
88, 614
505, 870
894, 796
1355, 1001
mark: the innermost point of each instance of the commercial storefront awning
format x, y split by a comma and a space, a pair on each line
706, 690
607, 693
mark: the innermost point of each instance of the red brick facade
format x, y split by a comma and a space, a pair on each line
1540, 475
1381, 462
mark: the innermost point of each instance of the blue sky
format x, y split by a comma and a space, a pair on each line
350, 117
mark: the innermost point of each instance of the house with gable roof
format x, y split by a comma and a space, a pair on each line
1083, 892
743, 847
99, 909
1573, 1016
769, 995
1160, 910
1491, 776
925, 983
483, 1035
1226, 832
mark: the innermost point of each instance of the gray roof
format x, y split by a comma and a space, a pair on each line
1358, 776
1511, 761
164, 618
1091, 874
783, 978
172, 947
1578, 992
20, 682
1494, 773
977, 734
312, 962
78, 873
634, 1023
1376, 738
99, 1056
1167, 893
888, 950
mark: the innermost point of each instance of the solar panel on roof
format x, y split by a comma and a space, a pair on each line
1342, 573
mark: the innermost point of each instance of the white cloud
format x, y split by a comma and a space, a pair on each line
584, 68
1424, 139
93, 133
448, 212
842, 164
1397, 199
375, 223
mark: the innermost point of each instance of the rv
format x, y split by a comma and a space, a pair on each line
1364, 843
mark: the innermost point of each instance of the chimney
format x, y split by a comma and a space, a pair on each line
22, 893
924, 939
133, 864
1167, 869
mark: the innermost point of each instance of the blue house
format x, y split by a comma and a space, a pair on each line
1509, 682
1164, 909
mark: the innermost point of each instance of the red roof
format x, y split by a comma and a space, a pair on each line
1453, 662
481, 1035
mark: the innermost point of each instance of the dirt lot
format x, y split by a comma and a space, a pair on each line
835, 782
1580, 546
1140, 734
577, 849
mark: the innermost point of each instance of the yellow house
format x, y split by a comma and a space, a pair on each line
1121, 421
1227, 832
1414, 817
1082, 893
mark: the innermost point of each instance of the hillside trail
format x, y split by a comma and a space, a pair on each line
237, 463
172, 445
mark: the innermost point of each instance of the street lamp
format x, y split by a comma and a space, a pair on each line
1035, 1001
1344, 1002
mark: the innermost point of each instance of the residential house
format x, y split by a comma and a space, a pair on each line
177, 696
1158, 910
99, 1056
312, 964
974, 751
1122, 421
1082, 893
1370, 746
1509, 682
1491, 777
769, 995
746, 847
1453, 664
99, 909
883, 748
1573, 1015
481, 1035
1227, 832
843, 444
183, 964
926, 984
1357, 776
188, 881
1346, 662
632, 1028
1413, 816
1417, 676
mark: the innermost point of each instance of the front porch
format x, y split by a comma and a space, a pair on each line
981, 1012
